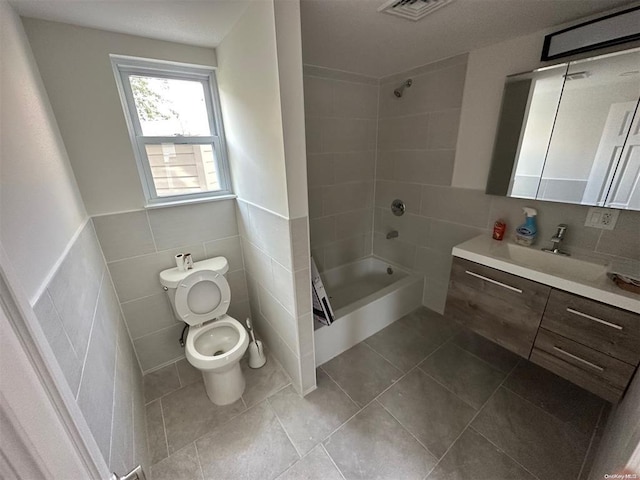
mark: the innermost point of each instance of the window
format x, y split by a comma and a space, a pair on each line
173, 115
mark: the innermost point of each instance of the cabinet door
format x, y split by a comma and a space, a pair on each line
602, 327
592, 370
502, 307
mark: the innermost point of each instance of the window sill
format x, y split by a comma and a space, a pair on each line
177, 203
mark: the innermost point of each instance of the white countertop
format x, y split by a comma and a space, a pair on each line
580, 275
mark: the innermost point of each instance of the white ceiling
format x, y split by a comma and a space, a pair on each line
347, 35
193, 22
351, 35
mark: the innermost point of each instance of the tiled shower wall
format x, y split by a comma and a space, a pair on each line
139, 245
416, 149
416, 141
340, 116
80, 316
276, 253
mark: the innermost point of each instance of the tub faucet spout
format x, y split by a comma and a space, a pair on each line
392, 234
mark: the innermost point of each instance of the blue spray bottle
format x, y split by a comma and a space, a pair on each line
526, 233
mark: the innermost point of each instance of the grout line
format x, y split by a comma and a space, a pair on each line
113, 401
59, 317
198, 458
343, 391
93, 323
332, 461
448, 389
474, 417
549, 414
591, 441
505, 453
164, 429
275, 414
153, 237
408, 431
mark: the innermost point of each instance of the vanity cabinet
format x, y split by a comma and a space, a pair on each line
504, 308
591, 344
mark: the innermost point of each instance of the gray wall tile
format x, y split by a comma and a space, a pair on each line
185, 225
84, 291
229, 248
74, 288
139, 276
428, 167
148, 314
124, 235
624, 240
409, 193
279, 318
59, 342
159, 348
459, 205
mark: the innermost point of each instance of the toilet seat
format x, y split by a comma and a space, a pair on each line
219, 297
205, 362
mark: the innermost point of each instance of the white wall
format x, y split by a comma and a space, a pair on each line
289, 48
76, 69
486, 70
40, 205
250, 95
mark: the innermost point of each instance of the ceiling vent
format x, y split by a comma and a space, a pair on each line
412, 9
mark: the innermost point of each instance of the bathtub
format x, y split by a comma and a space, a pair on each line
365, 297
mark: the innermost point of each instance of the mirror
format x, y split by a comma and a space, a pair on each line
570, 133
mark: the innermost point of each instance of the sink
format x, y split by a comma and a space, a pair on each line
583, 274
589, 270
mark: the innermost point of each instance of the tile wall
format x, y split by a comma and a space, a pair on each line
138, 245
416, 149
81, 318
276, 254
341, 117
416, 141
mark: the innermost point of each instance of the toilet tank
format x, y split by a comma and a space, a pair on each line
171, 277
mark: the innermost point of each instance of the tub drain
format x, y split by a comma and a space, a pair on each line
390, 270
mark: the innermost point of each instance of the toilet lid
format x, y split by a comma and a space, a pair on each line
202, 296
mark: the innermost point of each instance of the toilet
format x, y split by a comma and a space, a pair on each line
215, 341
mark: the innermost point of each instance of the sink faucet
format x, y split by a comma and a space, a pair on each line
392, 234
556, 240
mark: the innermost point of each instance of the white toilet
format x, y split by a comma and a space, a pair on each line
216, 342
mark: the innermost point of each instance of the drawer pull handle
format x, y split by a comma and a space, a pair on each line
595, 319
582, 360
495, 282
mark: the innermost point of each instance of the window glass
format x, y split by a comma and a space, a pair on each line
170, 107
175, 125
181, 169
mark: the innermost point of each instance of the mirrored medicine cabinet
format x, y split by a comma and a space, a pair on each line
570, 133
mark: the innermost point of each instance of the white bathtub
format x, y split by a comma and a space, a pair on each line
365, 298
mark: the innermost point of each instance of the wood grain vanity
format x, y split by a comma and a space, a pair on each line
590, 343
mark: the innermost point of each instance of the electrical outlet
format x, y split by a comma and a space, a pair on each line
604, 218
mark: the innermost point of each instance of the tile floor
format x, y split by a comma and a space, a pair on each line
422, 399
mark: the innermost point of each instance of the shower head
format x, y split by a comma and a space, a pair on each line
398, 91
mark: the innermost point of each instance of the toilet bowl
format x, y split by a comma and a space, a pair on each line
215, 349
215, 341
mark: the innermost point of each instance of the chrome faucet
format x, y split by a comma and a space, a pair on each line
392, 234
556, 240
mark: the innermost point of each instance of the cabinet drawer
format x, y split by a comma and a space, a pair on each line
602, 327
592, 370
502, 307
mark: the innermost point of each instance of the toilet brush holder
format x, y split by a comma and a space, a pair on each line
257, 357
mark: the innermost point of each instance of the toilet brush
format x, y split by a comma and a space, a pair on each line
257, 357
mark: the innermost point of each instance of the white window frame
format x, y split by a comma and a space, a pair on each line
123, 66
